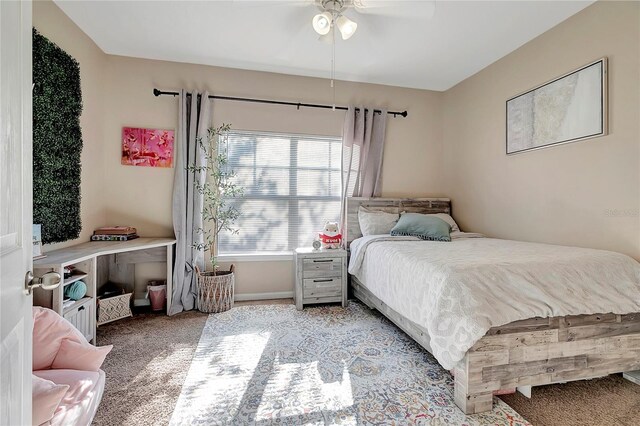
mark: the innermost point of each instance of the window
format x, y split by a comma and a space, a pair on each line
292, 185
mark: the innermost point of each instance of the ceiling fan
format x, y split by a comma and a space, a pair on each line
332, 13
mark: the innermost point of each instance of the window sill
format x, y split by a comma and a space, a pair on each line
256, 257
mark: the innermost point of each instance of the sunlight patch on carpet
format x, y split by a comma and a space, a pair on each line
303, 383
222, 369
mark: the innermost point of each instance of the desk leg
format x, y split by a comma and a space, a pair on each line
169, 276
93, 292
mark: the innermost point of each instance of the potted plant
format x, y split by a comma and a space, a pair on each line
216, 184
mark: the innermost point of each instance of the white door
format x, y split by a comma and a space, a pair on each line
15, 211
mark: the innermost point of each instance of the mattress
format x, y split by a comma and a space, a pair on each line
458, 290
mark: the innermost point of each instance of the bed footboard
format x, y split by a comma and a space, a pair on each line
535, 351
541, 351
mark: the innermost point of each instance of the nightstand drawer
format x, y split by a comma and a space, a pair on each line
321, 267
322, 287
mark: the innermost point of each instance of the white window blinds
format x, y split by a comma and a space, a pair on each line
291, 187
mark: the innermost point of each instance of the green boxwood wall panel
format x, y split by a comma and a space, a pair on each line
57, 141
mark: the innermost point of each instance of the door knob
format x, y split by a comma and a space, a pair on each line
49, 281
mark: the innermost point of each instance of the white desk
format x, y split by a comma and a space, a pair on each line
102, 261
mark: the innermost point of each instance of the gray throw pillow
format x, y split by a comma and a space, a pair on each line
374, 222
425, 227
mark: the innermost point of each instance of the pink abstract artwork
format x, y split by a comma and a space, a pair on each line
147, 147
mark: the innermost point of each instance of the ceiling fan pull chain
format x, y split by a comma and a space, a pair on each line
333, 62
331, 19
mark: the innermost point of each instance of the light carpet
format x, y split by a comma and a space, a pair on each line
147, 366
325, 365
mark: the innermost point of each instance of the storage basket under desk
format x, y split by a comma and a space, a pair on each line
114, 308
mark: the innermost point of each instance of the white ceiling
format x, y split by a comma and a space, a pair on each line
405, 49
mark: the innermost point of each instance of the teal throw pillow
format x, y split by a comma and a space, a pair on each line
425, 227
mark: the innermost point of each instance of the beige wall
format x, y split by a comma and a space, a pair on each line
560, 194
51, 22
117, 92
452, 143
142, 196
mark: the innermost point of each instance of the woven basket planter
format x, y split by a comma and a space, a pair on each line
215, 292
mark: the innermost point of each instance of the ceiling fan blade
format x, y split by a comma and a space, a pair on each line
272, 3
421, 9
301, 32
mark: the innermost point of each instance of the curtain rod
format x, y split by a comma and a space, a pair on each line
157, 92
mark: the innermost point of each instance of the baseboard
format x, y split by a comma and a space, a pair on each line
264, 296
141, 302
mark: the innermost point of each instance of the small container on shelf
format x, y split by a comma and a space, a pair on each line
68, 271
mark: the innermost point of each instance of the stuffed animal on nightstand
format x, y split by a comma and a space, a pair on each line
330, 236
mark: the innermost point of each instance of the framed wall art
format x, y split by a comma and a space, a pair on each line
570, 108
147, 147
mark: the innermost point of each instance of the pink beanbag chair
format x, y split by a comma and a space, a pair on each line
47, 395
50, 329
80, 402
79, 356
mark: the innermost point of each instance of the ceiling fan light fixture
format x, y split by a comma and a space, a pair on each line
346, 26
322, 23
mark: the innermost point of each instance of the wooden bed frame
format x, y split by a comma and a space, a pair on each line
531, 352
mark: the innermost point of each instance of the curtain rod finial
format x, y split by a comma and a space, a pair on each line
156, 92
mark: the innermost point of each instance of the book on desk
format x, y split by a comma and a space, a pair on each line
115, 233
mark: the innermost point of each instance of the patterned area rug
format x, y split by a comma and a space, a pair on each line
324, 365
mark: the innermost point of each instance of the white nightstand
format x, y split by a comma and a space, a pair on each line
321, 276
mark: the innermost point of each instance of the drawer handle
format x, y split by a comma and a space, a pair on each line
323, 281
81, 308
323, 261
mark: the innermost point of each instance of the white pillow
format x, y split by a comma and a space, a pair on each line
452, 223
448, 219
376, 222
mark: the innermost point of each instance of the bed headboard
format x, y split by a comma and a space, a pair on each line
390, 205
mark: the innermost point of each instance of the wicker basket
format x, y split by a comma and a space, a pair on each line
114, 308
215, 292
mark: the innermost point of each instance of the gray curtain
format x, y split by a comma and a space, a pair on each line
362, 148
194, 118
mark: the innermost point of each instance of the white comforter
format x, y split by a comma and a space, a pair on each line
458, 290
